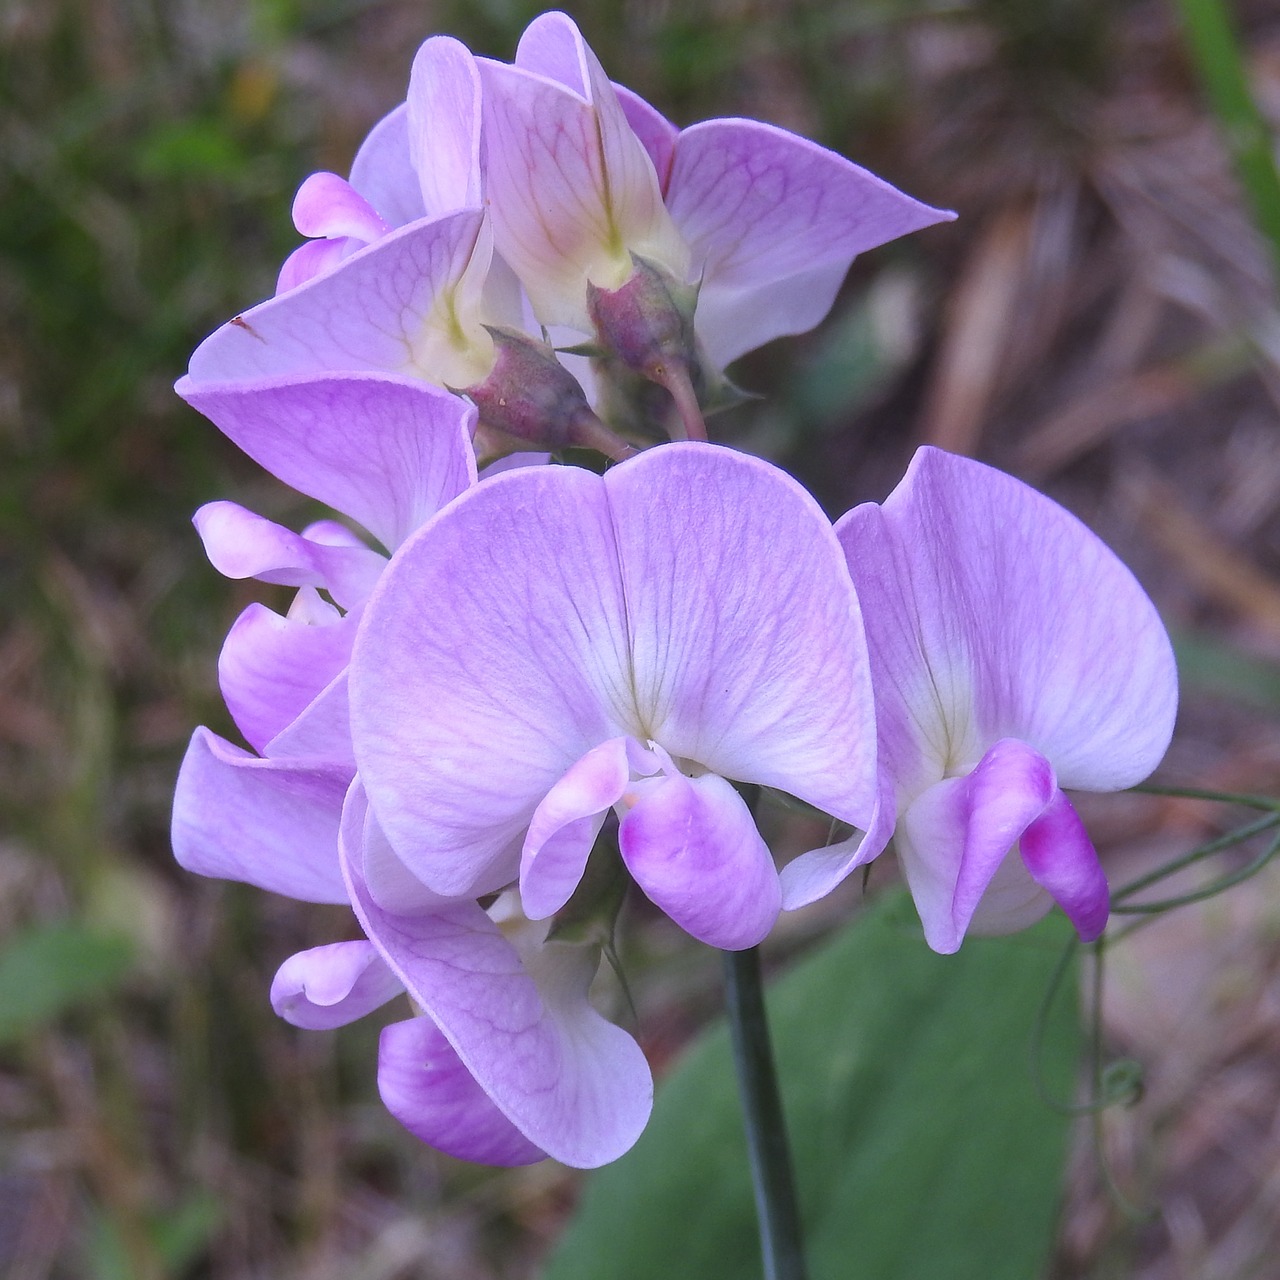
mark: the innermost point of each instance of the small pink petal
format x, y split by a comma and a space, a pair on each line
953, 839
1061, 858
693, 847
268, 823
328, 206
425, 1086
271, 667
565, 825
241, 544
313, 259
332, 985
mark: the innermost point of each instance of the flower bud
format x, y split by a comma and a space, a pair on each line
530, 397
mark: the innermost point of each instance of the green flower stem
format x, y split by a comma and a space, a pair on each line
781, 1241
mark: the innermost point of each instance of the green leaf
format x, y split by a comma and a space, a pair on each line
923, 1150
49, 968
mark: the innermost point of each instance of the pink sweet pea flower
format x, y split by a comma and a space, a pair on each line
625, 642
582, 174
1013, 656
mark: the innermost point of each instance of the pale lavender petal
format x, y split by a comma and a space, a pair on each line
953, 838
693, 847
312, 259
473, 692
565, 825
387, 308
241, 544
389, 883
748, 650
382, 171
573, 190
992, 612
333, 985
271, 667
387, 451
322, 730
272, 824
513, 462
814, 874
423, 1084
573, 1083
1060, 856
327, 205
444, 126
773, 221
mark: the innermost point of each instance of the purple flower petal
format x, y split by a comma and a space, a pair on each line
268, 823
271, 667
774, 221
656, 133
389, 452
383, 173
425, 1086
693, 847
322, 730
746, 638
332, 985
735, 644
313, 259
991, 612
953, 839
573, 1084
444, 126
1060, 857
387, 308
565, 825
241, 544
327, 205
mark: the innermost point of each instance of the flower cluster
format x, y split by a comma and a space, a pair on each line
533, 685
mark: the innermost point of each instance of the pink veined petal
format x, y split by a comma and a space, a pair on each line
773, 221
322, 729
333, 985
384, 309
444, 126
383, 173
693, 847
565, 825
992, 612
387, 451
424, 1085
814, 874
241, 544
271, 667
573, 190
472, 693
953, 839
329, 206
1060, 857
745, 631
574, 1084
313, 259
268, 823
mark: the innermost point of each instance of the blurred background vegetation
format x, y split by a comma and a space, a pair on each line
1101, 321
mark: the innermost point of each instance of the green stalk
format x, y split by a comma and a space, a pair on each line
781, 1239
1215, 49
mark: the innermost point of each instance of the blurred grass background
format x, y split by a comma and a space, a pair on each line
1102, 321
